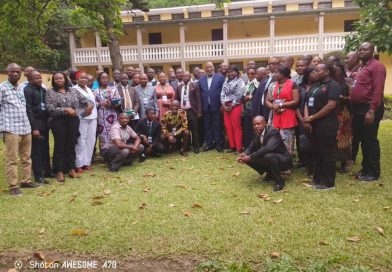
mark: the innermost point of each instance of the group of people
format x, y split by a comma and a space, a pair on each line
322, 109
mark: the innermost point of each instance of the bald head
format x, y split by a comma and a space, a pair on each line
287, 61
14, 72
209, 67
352, 59
259, 124
366, 51
261, 73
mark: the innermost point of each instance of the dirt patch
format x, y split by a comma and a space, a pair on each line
58, 261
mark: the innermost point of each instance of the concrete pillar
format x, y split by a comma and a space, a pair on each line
98, 45
182, 42
321, 34
139, 40
272, 34
225, 55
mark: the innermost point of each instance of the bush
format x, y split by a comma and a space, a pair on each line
388, 107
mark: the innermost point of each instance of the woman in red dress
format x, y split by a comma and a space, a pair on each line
165, 94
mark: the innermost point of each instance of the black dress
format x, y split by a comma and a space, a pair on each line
324, 131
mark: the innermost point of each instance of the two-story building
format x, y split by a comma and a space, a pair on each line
236, 33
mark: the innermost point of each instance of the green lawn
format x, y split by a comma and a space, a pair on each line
231, 223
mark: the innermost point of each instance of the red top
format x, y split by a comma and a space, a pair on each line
286, 119
369, 84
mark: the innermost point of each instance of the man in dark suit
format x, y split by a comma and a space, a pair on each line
267, 153
260, 94
149, 131
178, 80
210, 89
130, 100
38, 117
188, 95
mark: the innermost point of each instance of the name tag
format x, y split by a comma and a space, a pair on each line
311, 102
174, 130
164, 98
277, 101
145, 100
43, 106
149, 139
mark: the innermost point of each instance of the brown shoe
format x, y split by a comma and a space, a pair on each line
15, 192
87, 168
72, 174
183, 152
60, 177
79, 170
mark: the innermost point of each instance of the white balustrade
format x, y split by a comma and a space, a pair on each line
213, 50
204, 50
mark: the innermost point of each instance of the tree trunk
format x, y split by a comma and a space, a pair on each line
114, 47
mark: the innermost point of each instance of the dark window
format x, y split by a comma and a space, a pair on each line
104, 44
192, 15
261, 63
216, 66
157, 69
178, 16
217, 13
176, 66
307, 6
217, 34
155, 38
279, 9
78, 41
259, 10
234, 12
325, 5
106, 70
348, 25
138, 19
154, 18
349, 4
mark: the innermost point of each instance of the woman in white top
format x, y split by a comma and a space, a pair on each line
88, 126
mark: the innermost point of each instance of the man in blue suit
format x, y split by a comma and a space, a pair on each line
210, 88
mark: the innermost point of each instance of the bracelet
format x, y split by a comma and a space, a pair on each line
281, 105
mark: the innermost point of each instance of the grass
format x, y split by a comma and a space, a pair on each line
233, 224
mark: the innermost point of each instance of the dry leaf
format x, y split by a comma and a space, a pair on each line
134, 223
72, 199
196, 205
149, 175
236, 174
230, 166
356, 200
269, 221
305, 180
44, 194
381, 184
267, 199
307, 185
353, 239
278, 201
187, 214
92, 175
107, 192
172, 168
142, 205
190, 168
39, 255
146, 190
75, 194
380, 230
245, 212
181, 186
262, 195
275, 254
172, 205
386, 208
79, 232
322, 243
41, 231
96, 203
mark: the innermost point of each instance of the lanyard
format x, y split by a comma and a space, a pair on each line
280, 89
316, 90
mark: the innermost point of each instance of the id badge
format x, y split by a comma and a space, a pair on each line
278, 101
174, 130
164, 98
311, 102
43, 106
145, 101
149, 139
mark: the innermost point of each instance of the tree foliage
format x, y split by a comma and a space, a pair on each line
375, 25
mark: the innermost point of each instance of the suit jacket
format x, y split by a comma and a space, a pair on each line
211, 96
38, 117
134, 97
272, 143
194, 96
142, 129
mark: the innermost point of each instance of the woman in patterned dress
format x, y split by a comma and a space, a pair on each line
165, 94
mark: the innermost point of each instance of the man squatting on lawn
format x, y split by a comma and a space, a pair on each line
323, 110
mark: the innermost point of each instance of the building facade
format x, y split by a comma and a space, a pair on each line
240, 31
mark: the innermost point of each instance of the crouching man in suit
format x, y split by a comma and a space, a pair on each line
267, 153
150, 133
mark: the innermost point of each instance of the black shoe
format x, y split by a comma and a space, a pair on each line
323, 187
267, 177
299, 165
142, 157
196, 150
112, 169
219, 149
367, 178
359, 173
208, 148
15, 192
29, 185
231, 150
158, 155
41, 181
49, 175
278, 187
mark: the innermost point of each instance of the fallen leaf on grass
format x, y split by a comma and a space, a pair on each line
96, 203
79, 232
146, 190
381, 184
275, 254
92, 175
278, 201
172, 205
380, 230
196, 205
134, 223
44, 194
263, 195
181, 186
39, 255
356, 200
269, 221
149, 175
107, 192
73, 197
142, 205
245, 212
307, 185
98, 197
41, 231
236, 174
187, 214
305, 180
230, 166
172, 168
322, 243
353, 239
190, 168
386, 208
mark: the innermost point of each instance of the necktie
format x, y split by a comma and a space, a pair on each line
185, 94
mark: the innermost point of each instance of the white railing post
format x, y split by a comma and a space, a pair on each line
98, 45
272, 35
72, 47
139, 40
321, 34
182, 47
225, 58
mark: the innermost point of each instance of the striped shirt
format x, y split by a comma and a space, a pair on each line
13, 114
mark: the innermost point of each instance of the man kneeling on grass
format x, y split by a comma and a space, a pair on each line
267, 153
119, 150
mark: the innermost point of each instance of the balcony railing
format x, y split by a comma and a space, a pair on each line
216, 50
